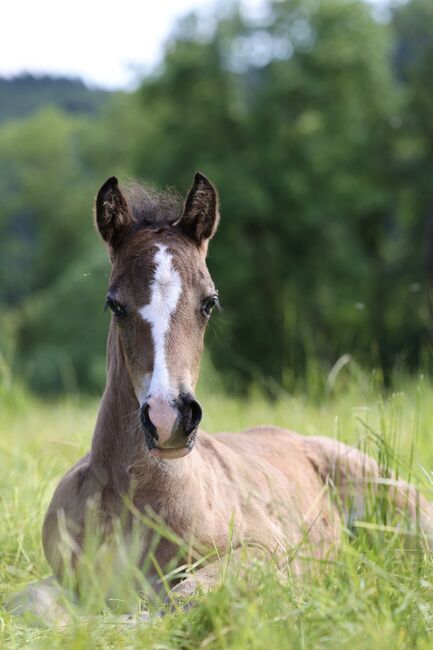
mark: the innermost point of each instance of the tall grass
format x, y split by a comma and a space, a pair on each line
376, 593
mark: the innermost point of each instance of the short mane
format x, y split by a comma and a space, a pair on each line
151, 206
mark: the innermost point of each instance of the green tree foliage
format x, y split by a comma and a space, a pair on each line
292, 119
413, 24
45, 201
314, 121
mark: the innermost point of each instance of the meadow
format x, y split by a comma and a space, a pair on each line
314, 121
376, 593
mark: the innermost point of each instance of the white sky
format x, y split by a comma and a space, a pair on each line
102, 41
98, 40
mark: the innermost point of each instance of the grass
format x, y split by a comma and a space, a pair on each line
375, 594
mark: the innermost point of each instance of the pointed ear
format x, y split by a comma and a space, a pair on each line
200, 216
112, 216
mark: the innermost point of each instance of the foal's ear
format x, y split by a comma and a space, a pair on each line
200, 216
112, 215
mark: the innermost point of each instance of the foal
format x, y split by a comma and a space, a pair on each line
264, 489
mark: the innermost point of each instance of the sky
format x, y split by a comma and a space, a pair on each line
105, 42
102, 41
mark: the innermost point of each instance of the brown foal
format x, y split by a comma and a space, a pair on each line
265, 489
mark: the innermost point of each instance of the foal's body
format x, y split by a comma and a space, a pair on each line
261, 487
265, 489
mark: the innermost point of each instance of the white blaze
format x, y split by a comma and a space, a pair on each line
166, 288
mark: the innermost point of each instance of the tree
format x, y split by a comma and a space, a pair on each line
292, 120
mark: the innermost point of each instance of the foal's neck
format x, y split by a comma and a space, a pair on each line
118, 441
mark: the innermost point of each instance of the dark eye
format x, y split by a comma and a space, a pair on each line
208, 304
117, 309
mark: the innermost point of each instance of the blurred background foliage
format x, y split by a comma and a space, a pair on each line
315, 121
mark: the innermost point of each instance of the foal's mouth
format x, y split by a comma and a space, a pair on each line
169, 454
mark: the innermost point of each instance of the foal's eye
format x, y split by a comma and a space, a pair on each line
208, 304
117, 309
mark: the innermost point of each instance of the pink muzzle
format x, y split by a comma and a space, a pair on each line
163, 417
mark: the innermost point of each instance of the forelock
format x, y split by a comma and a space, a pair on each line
152, 207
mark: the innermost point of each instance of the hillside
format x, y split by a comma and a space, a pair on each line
20, 96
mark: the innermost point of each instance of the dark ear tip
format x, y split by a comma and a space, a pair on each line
109, 183
201, 178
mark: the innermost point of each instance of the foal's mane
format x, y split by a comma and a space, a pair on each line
151, 206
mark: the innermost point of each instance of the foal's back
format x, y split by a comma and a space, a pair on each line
273, 474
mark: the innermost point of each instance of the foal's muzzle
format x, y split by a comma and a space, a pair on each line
170, 427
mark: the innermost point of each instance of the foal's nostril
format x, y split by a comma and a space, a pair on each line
147, 422
196, 414
192, 414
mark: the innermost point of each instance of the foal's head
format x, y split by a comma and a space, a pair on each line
161, 295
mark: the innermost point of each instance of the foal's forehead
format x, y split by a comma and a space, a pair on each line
150, 255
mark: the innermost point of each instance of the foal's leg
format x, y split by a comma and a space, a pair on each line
213, 575
357, 478
40, 603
